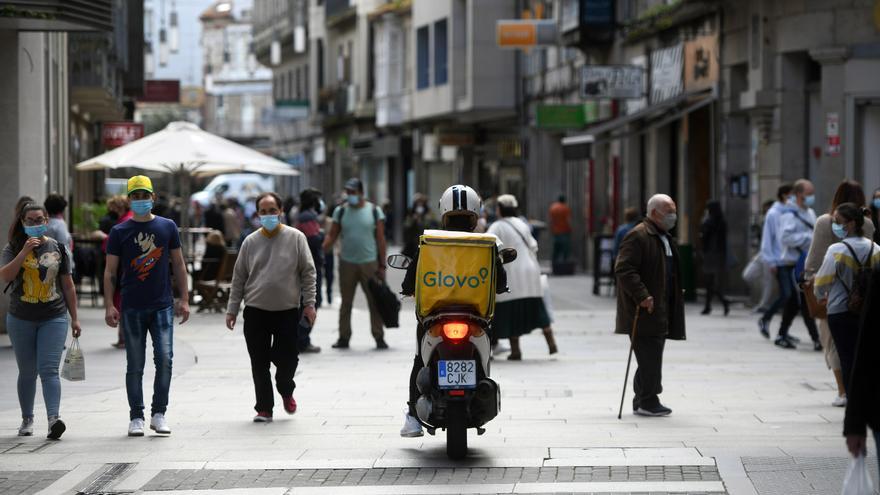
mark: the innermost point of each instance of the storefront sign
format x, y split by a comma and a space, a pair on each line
116, 134
832, 134
612, 81
525, 33
701, 63
666, 68
161, 91
561, 116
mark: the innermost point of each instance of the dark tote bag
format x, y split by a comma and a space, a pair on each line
386, 302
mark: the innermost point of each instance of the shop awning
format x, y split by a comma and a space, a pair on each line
578, 146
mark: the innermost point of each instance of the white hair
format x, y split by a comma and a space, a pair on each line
657, 201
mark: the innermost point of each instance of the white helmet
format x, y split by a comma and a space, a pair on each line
460, 200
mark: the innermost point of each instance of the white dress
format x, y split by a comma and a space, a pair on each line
523, 274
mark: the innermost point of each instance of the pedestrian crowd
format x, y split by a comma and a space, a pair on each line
823, 269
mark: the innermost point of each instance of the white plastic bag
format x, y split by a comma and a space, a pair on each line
74, 367
754, 270
857, 481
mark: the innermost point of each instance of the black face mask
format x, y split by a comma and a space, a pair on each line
460, 223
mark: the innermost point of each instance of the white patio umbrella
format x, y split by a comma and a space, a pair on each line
184, 149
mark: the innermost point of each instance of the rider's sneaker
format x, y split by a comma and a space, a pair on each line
411, 428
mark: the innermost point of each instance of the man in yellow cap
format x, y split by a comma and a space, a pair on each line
144, 248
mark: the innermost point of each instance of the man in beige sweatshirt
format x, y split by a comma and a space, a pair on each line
275, 277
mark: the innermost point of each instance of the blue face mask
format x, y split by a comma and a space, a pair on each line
322, 206
838, 230
353, 199
36, 230
877, 203
810, 200
141, 206
269, 222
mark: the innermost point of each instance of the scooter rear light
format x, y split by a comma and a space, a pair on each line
455, 331
456, 393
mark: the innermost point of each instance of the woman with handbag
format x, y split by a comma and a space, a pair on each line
847, 192
522, 309
34, 264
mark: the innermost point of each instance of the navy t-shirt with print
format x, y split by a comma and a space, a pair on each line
144, 250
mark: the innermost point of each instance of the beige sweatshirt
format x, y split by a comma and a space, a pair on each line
823, 238
272, 272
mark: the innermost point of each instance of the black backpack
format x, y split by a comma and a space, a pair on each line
861, 280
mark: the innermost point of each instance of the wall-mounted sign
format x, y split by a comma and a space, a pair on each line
560, 116
525, 33
832, 134
116, 134
666, 68
612, 81
701, 63
570, 15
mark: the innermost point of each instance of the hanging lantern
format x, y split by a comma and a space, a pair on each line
163, 47
174, 32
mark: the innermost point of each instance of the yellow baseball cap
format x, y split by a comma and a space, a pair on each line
140, 183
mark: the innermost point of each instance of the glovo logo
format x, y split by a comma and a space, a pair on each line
440, 279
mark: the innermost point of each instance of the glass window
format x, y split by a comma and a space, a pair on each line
423, 53
441, 58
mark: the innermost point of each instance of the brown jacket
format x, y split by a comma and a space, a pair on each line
641, 272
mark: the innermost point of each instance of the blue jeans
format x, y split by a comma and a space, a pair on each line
38, 346
785, 279
159, 323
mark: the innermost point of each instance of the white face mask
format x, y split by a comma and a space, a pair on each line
669, 221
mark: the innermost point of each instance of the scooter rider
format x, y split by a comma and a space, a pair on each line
460, 210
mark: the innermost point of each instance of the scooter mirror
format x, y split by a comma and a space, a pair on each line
508, 255
399, 261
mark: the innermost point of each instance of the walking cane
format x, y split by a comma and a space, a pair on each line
632, 344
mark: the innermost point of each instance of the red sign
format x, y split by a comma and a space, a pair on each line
161, 91
116, 134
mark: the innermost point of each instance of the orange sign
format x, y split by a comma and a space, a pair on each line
514, 34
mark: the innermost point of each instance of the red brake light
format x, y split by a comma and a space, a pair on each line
455, 331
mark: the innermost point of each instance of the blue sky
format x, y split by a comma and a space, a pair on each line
186, 64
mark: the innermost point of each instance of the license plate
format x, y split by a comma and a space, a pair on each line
457, 374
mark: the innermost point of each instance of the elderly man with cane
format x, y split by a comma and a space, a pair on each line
650, 308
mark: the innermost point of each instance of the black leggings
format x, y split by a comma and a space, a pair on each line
845, 332
417, 365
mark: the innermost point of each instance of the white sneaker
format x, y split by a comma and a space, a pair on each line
159, 424
411, 428
27, 427
839, 401
136, 428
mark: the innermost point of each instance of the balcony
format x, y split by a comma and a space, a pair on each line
337, 12
57, 15
337, 105
96, 83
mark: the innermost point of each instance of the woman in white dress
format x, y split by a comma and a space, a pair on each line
522, 309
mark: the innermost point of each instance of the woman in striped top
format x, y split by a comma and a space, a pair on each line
835, 279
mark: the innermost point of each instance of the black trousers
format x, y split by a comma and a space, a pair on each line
845, 332
797, 303
417, 365
271, 339
649, 373
715, 287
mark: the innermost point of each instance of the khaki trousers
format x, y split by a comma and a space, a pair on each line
350, 275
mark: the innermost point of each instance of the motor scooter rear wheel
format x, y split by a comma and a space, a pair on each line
456, 433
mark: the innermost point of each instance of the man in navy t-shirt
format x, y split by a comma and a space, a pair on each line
141, 252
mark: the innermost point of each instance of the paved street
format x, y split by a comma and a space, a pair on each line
749, 418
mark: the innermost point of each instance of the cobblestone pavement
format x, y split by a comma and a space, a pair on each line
222, 479
27, 482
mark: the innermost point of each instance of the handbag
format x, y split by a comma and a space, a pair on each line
386, 302
74, 367
814, 307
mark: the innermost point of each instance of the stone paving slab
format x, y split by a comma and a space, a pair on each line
27, 482
800, 475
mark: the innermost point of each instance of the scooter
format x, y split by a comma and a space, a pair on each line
456, 390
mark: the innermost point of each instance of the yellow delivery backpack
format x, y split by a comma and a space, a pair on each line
456, 269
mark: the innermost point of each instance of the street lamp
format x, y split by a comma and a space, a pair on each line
163, 47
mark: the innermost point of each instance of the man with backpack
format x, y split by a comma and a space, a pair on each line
842, 281
361, 225
795, 236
